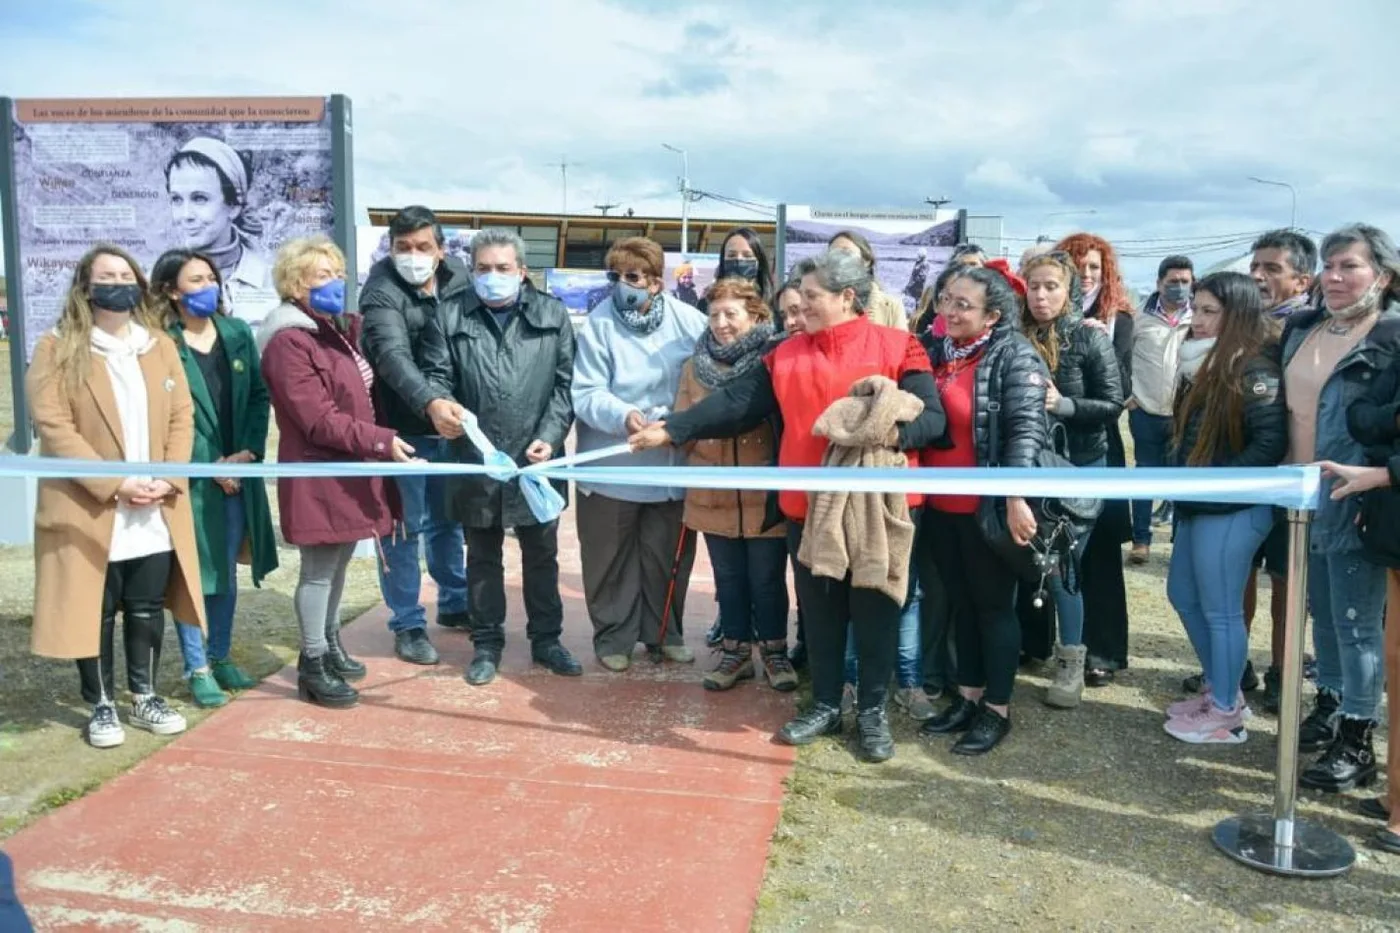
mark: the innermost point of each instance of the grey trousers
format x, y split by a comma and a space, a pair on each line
317, 596
627, 550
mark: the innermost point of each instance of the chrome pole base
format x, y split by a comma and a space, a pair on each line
1316, 852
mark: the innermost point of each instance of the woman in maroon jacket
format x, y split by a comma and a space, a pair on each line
322, 393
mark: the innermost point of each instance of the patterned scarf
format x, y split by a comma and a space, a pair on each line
639, 323
954, 351
1286, 309
716, 364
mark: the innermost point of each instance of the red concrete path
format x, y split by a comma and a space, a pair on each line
638, 802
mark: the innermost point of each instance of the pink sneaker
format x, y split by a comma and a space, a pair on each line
1190, 705
1210, 726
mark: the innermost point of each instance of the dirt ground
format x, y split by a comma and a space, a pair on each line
1091, 819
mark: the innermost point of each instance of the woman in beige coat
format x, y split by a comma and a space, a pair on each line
107, 384
747, 541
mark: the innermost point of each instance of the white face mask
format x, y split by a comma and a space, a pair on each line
415, 268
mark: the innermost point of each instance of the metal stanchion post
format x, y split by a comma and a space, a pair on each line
1278, 842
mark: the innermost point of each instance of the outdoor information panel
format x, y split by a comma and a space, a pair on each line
234, 178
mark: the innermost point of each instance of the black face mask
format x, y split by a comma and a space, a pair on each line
122, 298
741, 269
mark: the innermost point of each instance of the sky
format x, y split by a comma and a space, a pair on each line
1136, 119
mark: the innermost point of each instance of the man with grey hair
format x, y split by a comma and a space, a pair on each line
405, 291
507, 354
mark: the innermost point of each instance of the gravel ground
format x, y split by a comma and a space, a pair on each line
1090, 819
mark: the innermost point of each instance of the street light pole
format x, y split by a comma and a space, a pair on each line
685, 197
1293, 196
1040, 228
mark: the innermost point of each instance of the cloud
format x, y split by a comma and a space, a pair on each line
1000, 177
1152, 115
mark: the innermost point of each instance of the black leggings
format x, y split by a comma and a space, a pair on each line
981, 591
137, 588
829, 607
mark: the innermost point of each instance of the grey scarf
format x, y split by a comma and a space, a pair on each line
637, 322
716, 365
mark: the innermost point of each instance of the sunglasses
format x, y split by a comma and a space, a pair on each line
631, 278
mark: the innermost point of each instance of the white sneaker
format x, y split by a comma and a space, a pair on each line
151, 713
104, 729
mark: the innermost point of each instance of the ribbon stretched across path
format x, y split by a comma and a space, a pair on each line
1294, 487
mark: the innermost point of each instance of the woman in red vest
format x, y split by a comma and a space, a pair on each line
805, 374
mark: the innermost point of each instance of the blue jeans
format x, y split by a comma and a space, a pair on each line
424, 514
909, 660
219, 607
1211, 562
751, 585
1152, 435
1347, 596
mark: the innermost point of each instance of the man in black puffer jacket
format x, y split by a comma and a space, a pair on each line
407, 288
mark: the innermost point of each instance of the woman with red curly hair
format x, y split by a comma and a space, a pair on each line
1106, 300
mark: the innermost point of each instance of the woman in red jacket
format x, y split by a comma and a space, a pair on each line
322, 392
800, 379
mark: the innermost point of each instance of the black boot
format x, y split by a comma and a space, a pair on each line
807, 727
1320, 727
344, 666
1349, 762
985, 734
318, 683
956, 717
873, 729
1273, 691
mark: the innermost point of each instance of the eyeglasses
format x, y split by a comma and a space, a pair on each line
961, 305
631, 278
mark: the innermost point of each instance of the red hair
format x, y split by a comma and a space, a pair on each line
1113, 296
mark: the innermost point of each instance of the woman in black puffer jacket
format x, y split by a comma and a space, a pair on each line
1086, 397
1228, 413
980, 309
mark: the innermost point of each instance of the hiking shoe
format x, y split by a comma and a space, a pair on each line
151, 713
735, 664
104, 729
777, 666
915, 703
230, 676
715, 636
1211, 726
205, 690
617, 663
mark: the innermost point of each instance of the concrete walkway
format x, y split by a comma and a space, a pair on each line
538, 803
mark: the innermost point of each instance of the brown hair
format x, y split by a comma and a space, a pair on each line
1046, 337
1218, 390
740, 290
862, 246
1113, 296
74, 329
637, 251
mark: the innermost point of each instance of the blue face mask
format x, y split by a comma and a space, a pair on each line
496, 288
630, 297
203, 303
328, 298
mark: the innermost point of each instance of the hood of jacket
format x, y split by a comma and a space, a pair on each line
285, 316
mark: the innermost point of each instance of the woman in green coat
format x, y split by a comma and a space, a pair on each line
231, 517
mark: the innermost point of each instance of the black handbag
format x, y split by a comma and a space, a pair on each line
1062, 524
1378, 526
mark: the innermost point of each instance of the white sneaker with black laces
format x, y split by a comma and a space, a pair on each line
151, 713
104, 729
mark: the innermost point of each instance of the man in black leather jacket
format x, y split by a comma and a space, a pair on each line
404, 291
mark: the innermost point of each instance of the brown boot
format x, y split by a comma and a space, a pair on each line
777, 667
735, 664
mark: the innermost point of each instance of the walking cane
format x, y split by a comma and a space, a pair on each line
660, 654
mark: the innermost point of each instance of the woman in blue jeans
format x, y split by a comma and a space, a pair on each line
231, 410
1229, 412
1332, 355
1085, 397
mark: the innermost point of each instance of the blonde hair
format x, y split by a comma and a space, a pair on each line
295, 259
73, 332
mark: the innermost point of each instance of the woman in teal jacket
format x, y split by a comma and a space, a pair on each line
232, 519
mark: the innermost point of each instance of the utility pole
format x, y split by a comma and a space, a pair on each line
1292, 194
563, 166
604, 208
685, 197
